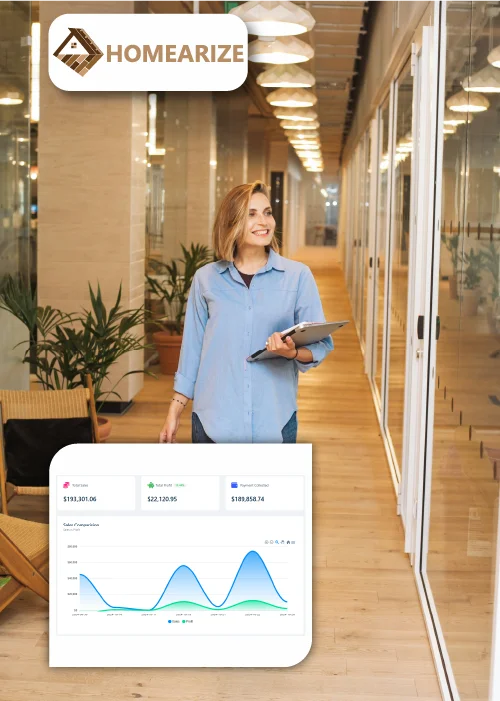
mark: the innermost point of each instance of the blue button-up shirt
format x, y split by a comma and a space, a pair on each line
238, 401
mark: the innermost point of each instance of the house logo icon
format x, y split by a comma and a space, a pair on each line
79, 52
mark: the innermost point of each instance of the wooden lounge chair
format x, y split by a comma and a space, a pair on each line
50, 404
24, 557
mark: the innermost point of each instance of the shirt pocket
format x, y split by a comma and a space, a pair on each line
275, 307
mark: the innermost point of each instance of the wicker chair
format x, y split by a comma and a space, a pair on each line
24, 557
51, 404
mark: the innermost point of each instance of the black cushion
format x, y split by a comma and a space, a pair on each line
30, 445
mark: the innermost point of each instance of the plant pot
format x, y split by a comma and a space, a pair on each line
452, 281
470, 302
104, 428
169, 350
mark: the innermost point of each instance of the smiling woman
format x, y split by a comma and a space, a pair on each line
251, 294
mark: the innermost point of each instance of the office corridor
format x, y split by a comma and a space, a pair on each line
369, 640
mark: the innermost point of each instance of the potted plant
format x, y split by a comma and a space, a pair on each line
472, 265
451, 242
65, 348
171, 285
492, 265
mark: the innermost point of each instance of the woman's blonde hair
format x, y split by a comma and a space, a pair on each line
231, 222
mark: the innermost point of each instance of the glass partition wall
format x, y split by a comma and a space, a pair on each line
455, 443
463, 510
390, 234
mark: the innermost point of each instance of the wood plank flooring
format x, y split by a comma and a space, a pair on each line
369, 639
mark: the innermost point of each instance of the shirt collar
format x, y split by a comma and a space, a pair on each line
274, 261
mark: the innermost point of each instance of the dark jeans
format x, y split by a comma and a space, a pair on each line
198, 435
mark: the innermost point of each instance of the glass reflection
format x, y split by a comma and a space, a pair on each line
381, 236
400, 243
464, 502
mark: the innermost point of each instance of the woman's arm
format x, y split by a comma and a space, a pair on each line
308, 307
189, 361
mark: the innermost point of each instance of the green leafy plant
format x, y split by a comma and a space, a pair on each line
492, 265
451, 242
64, 348
472, 265
175, 282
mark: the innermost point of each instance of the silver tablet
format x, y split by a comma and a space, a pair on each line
303, 334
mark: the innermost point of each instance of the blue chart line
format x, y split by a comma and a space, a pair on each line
252, 582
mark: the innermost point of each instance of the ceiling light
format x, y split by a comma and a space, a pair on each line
467, 102
287, 124
274, 19
296, 114
9, 95
310, 155
310, 146
302, 137
291, 97
453, 118
280, 51
318, 169
449, 129
486, 80
286, 76
494, 57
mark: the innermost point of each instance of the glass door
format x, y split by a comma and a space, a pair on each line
380, 248
398, 267
459, 558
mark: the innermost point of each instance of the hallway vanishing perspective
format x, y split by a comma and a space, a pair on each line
369, 638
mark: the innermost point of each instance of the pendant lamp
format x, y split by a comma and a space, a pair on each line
10, 95
467, 102
494, 57
286, 76
302, 126
274, 19
309, 145
454, 118
486, 80
291, 97
279, 51
296, 114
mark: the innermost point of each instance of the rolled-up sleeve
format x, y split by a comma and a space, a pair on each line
308, 307
192, 341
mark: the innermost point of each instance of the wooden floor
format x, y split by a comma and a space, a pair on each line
370, 642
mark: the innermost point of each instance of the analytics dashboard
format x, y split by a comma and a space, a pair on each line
180, 555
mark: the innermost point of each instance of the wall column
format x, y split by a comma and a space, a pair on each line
92, 190
232, 141
190, 162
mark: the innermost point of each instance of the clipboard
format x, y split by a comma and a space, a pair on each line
303, 334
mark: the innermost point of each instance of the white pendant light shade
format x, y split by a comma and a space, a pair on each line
494, 57
314, 169
10, 95
286, 76
274, 19
280, 51
449, 129
310, 155
291, 97
467, 102
302, 126
453, 118
486, 80
296, 114
309, 145
313, 135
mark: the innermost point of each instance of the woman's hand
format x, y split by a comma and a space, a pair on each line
171, 425
286, 348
